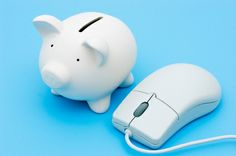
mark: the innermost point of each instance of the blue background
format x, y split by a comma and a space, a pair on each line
34, 122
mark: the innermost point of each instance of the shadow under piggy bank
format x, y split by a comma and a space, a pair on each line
66, 110
74, 112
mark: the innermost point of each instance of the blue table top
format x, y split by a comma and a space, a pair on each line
34, 122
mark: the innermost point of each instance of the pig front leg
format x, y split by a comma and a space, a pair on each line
128, 81
100, 105
54, 92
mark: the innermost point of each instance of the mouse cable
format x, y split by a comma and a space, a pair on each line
128, 134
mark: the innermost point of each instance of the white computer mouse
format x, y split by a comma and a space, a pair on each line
165, 101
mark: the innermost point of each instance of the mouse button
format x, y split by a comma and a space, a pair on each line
124, 112
155, 123
157, 100
145, 86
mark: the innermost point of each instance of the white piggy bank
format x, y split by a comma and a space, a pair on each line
86, 57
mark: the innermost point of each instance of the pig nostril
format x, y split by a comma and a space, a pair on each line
77, 59
52, 45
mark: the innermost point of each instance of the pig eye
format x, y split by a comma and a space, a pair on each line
52, 45
77, 59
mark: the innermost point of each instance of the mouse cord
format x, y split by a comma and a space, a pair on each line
128, 134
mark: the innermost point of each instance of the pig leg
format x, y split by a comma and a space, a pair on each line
54, 92
100, 105
128, 81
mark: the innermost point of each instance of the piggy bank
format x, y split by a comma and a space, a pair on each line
86, 57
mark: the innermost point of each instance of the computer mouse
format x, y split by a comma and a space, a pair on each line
165, 101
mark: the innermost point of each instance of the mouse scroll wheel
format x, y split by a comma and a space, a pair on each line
140, 109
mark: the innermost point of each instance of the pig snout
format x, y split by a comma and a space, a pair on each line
55, 75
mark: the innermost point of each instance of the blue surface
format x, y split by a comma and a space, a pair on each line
34, 122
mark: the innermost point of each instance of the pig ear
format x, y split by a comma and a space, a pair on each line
47, 25
99, 47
